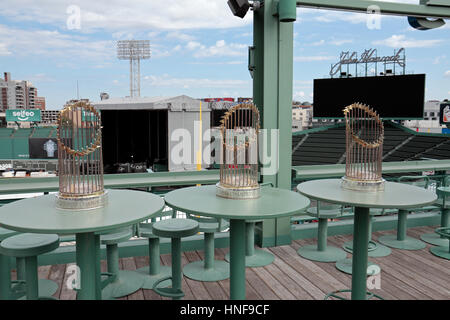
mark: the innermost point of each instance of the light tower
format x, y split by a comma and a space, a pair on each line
134, 50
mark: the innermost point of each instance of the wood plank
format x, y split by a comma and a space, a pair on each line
259, 286
149, 294
57, 274
66, 293
385, 291
130, 264
411, 278
197, 287
313, 271
428, 259
303, 283
273, 283
287, 282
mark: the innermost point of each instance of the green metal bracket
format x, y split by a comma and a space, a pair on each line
287, 10
251, 60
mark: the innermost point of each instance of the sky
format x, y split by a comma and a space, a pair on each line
198, 48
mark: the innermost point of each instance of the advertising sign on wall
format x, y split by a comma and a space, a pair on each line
43, 148
22, 115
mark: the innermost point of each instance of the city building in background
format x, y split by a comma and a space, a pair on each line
217, 99
16, 94
302, 116
39, 103
430, 122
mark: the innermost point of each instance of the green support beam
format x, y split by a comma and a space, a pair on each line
438, 10
272, 94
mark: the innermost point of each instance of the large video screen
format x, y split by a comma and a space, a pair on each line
393, 97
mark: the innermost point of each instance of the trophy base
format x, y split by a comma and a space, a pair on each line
361, 185
82, 203
237, 193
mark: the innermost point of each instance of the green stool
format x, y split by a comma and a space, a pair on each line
5, 268
120, 283
442, 251
401, 240
26, 247
209, 269
435, 238
155, 271
253, 257
174, 229
321, 252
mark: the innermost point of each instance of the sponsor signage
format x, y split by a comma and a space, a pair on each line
23, 115
43, 148
444, 117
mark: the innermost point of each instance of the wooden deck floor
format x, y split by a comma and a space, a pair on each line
405, 275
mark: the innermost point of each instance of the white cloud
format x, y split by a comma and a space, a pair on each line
117, 15
447, 73
318, 43
341, 42
219, 49
439, 59
180, 36
313, 58
168, 81
4, 50
400, 41
52, 43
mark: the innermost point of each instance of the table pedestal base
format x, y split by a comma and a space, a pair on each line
330, 254
434, 239
259, 258
407, 244
345, 266
150, 279
376, 250
126, 282
334, 294
47, 287
197, 271
442, 252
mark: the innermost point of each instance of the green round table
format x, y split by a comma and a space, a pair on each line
272, 203
40, 215
395, 195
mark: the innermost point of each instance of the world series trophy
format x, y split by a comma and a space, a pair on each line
80, 162
239, 153
364, 149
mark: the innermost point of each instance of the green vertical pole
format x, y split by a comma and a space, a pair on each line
272, 93
322, 234
86, 255
209, 250
153, 254
402, 224
237, 259
5, 277
98, 275
20, 267
249, 238
31, 278
370, 228
176, 264
360, 253
112, 257
445, 219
